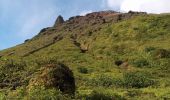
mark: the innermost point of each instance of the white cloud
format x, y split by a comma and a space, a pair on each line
83, 13
114, 3
150, 6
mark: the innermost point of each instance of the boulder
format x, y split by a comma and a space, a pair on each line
122, 64
118, 62
56, 76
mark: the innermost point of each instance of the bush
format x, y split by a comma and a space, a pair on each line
11, 73
82, 70
2, 77
137, 80
109, 30
141, 63
137, 94
149, 49
103, 80
2, 96
133, 93
41, 93
166, 96
106, 81
13, 66
162, 53
18, 94
102, 95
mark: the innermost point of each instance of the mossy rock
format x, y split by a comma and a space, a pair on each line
56, 76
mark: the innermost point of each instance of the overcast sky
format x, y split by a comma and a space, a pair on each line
23, 19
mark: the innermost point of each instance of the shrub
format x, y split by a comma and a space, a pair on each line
141, 63
82, 70
46, 60
2, 76
13, 66
103, 80
108, 30
18, 94
137, 80
11, 73
120, 49
137, 94
2, 96
41, 93
162, 53
103, 95
106, 81
149, 49
166, 96
133, 93
164, 64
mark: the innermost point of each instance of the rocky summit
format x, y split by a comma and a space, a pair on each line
104, 55
59, 20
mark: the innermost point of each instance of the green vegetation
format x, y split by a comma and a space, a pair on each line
141, 43
137, 80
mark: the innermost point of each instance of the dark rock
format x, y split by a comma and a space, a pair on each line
59, 21
27, 40
133, 12
75, 17
118, 62
44, 30
56, 76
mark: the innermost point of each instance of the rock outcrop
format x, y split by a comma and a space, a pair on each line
59, 21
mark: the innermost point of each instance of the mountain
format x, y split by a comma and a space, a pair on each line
102, 55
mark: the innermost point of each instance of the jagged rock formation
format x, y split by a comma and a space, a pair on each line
59, 21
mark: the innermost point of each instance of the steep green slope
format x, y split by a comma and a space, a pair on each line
124, 58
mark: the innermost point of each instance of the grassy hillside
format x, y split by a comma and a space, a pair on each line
124, 59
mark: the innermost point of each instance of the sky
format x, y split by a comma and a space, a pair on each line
23, 19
